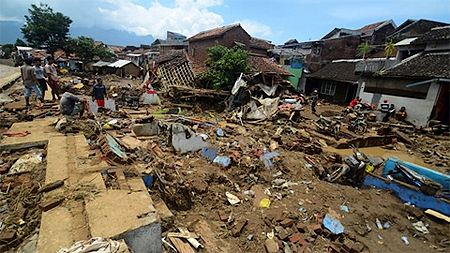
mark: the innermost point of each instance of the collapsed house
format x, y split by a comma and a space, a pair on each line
118, 67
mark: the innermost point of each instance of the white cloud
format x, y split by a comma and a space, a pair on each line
256, 29
8, 18
187, 17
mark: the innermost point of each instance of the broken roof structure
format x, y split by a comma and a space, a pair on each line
339, 70
413, 28
266, 66
215, 33
431, 65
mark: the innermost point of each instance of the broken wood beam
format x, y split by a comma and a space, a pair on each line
51, 186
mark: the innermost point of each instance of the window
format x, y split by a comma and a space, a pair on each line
328, 88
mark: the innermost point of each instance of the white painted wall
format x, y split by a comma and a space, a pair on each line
418, 110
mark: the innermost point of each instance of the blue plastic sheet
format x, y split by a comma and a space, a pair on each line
333, 224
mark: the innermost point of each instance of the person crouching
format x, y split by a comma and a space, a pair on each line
70, 104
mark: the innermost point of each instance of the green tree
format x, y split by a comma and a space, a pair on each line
388, 50
225, 66
7, 49
364, 49
85, 49
20, 42
45, 28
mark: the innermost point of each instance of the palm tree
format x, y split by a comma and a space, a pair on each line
388, 49
364, 49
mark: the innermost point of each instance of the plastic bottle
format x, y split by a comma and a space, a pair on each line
379, 226
405, 240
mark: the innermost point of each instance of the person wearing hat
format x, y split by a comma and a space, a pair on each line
29, 80
50, 71
70, 104
384, 107
314, 101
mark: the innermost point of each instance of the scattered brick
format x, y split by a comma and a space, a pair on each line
297, 238
334, 247
301, 227
283, 234
7, 236
287, 223
222, 215
279, 215
238, 227
358, 247
49, 204
317, 228
348, 245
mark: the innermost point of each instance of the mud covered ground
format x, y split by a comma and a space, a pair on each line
194, 189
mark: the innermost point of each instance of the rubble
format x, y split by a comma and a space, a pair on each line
245, 180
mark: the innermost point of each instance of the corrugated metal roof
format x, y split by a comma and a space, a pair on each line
405, 42
134, 55
24, 48
119, 63
100, 64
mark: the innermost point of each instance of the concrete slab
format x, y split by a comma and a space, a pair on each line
116, 212
57, 160
8, 75
55, 231
40, 130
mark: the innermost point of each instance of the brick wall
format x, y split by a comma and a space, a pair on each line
197, 48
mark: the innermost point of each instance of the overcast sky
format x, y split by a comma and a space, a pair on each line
275, 20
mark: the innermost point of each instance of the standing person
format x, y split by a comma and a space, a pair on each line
99, 93
50, 71
71, 105
29, 80
39, 71
314, 101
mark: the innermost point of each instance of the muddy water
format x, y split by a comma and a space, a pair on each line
385, 153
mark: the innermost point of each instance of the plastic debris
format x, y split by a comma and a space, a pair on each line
220, 132
287, 249
386, 225
250, 237
405, 240
344, 208
332, 223
223, 160
26, 163
209, 153
232, 199
266, 159
379, 226
249, 193
264, 203
421, 227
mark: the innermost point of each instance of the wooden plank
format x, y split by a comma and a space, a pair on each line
181, 246
437, 215
25, 145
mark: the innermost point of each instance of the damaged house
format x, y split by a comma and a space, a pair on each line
419, 82
336, 82
180, 68
121, 68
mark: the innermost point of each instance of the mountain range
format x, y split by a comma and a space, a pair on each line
10, 31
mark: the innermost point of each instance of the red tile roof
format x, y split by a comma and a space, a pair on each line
213, 33
263, 64
260, 43
370, 26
